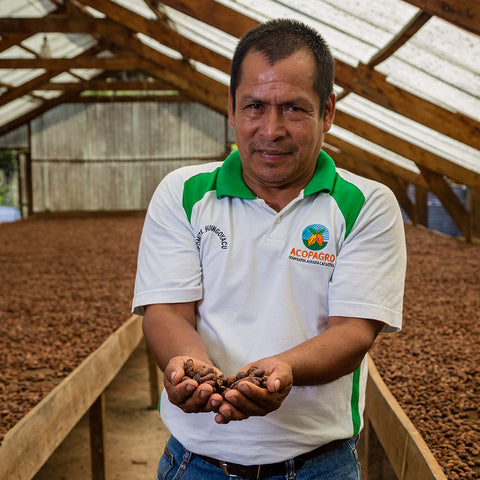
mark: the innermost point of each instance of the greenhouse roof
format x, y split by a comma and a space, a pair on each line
407, 72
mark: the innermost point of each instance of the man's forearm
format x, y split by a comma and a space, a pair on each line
336, 352
170, 332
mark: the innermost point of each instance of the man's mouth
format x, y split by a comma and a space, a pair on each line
272, 154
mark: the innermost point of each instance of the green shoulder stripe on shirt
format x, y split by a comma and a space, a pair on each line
350, 200
195, 188
356, 420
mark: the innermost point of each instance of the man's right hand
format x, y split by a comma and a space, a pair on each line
189, 395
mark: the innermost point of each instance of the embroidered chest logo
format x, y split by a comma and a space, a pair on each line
315, 238
212, 229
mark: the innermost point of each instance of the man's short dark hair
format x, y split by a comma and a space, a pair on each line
278, 39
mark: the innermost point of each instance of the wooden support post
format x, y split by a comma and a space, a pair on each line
407, 452
376, 464
474, 204
421, 205
452, 204
97, 438
25, 183
153, 377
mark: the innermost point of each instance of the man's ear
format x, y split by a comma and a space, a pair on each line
231, 113
329, 112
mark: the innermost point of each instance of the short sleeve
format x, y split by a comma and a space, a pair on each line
368, 280
168, 267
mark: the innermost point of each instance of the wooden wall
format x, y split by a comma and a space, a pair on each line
111, 156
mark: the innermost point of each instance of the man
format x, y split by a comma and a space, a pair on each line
273, 258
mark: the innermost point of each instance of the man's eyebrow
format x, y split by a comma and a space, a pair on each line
290, 101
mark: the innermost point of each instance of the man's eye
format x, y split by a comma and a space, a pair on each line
293, 108
255, 106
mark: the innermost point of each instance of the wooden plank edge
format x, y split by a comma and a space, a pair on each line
28, 445
415, 454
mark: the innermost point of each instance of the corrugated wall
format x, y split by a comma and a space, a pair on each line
111, 156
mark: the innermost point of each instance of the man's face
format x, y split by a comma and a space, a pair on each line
278, 126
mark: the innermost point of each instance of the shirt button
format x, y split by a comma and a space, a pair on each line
278, 220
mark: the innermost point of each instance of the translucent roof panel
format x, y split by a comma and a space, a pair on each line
411, 131
26, 8
354, 30
438, 63
433, 67
18, 107
374, 148
205, 35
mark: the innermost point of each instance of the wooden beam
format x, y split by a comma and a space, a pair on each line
11, 40
372, 85
176, 98
97, 438
370, 166
409, 455
417, 22
161, 32
421, 205
61, 64
114, 85
8, 40
179, 74
359, 157
27, 446
454, 207
463, 14
407, 149
215, 14
57, 23
363, 80
474, 207
36, 82
26, 117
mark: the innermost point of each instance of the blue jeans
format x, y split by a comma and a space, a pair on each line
339, 464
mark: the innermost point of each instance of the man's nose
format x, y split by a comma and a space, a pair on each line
273, 123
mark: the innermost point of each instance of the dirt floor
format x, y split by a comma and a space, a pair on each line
134, 434
67, 283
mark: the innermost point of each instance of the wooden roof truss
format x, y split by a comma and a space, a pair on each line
168, 65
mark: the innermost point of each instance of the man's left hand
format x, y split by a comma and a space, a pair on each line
250, 400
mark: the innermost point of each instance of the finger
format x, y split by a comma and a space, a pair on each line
199, 400
180, 393
227, 413
174, 371
214, 402
251, 400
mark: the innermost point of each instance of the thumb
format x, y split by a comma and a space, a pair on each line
274, 385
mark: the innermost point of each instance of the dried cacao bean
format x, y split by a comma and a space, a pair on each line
219, 383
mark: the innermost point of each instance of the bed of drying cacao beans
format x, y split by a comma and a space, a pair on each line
67, 283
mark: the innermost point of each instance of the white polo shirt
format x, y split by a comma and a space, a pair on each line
266, 281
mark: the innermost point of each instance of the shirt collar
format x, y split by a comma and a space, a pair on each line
230, 181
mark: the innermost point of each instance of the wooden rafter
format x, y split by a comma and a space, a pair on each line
118, 32
373, 86
417, 22
108, 84
62, 64
407, 149
160, 32
455, 208
364, 81
361, 157
462, 13
36, 82
215, 14
371, 166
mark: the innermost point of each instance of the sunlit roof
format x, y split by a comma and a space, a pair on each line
439, 63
